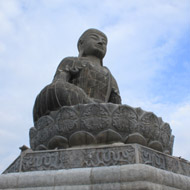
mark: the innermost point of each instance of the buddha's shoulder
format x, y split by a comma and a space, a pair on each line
67, 60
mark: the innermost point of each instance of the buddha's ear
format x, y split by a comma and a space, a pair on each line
81, 53
80, 44
80, 48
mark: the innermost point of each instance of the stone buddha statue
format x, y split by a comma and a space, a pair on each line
82, 106
80, 80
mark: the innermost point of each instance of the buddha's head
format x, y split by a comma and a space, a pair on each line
92, 43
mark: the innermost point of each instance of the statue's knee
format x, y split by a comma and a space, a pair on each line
56, 95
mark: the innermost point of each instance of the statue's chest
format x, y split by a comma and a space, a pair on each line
93, 80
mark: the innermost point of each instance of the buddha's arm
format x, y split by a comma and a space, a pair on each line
61, 75
62, 72
65, 71
114, 96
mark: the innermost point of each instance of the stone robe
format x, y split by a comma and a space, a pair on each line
77, 81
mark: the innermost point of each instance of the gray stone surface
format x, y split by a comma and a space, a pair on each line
82, 106
97, 156
80, 80
126, 177
100, 123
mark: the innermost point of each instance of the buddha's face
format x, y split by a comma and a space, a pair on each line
94, 44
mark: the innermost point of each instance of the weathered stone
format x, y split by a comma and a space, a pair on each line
136, 138
97, 156
80, 80
81, 138
100, 123
130, 177
58, 142
82, 106
156, 145
108, 136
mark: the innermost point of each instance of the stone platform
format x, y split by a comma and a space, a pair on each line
125, 177
97, 156
103, 167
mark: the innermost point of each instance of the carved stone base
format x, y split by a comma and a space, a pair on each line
100, 123
125, 177
97, 156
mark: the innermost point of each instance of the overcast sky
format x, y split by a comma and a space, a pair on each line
148, 54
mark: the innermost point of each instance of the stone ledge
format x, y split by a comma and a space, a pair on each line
130, 177
97, 156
